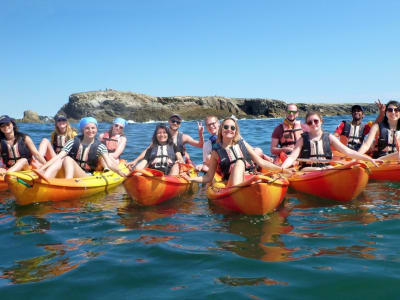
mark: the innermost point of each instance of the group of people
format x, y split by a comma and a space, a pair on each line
79, 154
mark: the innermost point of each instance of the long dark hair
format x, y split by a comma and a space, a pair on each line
385, 120
17, 133
161, 126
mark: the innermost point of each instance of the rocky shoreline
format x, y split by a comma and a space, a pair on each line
108, 104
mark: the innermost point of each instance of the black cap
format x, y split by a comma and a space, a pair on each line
59, 118
6, 119
356, 107
176, 116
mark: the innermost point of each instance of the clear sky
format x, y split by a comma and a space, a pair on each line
297, 50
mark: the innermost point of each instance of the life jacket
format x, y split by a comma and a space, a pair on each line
353, 135
162, 157
290, 134
179, 144
318, 150
386, 141
11, 154
59, 142
111, 143
225, 160
85, 155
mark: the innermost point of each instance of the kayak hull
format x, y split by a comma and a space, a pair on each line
3, 184
257, 195
389, 170
151, 187
28, 188
342, 183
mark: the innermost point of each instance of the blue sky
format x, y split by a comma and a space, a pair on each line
300, 51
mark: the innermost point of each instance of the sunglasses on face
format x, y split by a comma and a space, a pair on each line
315, 121
292, 112
391, 109
226, 127
118, 126
176, 122
210, 124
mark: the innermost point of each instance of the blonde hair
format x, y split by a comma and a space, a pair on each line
70, 132
237, 136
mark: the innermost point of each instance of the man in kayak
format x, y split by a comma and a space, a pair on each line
352, 133
179, 138
286, 134
212, 126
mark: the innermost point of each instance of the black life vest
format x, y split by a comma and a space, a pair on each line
179, 144
165, 160
383, 145
354, 141
58, 143
225, 162
11, 155
88, 163
306, 150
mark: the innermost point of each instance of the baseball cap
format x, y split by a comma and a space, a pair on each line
176, 116
356, 107
6, 119
59, 118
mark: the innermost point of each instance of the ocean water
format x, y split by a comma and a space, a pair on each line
107, 247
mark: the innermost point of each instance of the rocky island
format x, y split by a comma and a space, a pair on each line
106, 105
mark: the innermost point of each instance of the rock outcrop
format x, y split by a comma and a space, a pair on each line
33, 117
106, 105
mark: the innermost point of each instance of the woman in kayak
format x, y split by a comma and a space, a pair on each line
232, 157
385, 135
115, 139
163, 154
80, 156
315, 145
16, 148
63, 132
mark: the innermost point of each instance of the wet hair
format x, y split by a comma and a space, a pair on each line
17, 134
161, 126
313, 113
237, 136
385, 120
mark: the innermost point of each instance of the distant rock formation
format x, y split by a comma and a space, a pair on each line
108, 104
33, 117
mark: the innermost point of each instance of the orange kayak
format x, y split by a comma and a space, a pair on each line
257, 195
3, 184
28, 187
152, 187
389, 170
341, 183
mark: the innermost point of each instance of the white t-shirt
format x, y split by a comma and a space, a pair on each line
207, 147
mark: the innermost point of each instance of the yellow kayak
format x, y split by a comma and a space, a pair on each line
28, 188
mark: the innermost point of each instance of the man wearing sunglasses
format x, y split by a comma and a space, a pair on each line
286, 134
212, 126
352, 133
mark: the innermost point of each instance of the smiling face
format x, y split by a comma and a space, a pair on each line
393, 112
212, 125
228, 131
162, 136
292, 113
314, 122
357, 114
7, 128
174, 123
62, 126
117, 129
90, 131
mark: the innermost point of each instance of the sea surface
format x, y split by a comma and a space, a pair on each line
106, 247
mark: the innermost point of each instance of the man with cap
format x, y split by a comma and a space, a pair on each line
352, 133
179, 138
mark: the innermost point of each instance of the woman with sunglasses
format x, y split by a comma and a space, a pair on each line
385, 135
16, 148
63, 132
115, 139
80, 156
316, 145
232, 157
163, 154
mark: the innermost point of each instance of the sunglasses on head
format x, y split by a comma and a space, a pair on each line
176, 121
315, 121
233, 128
292, 112
391, 109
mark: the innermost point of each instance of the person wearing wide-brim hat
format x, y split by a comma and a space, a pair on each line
17, 149
61, 134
